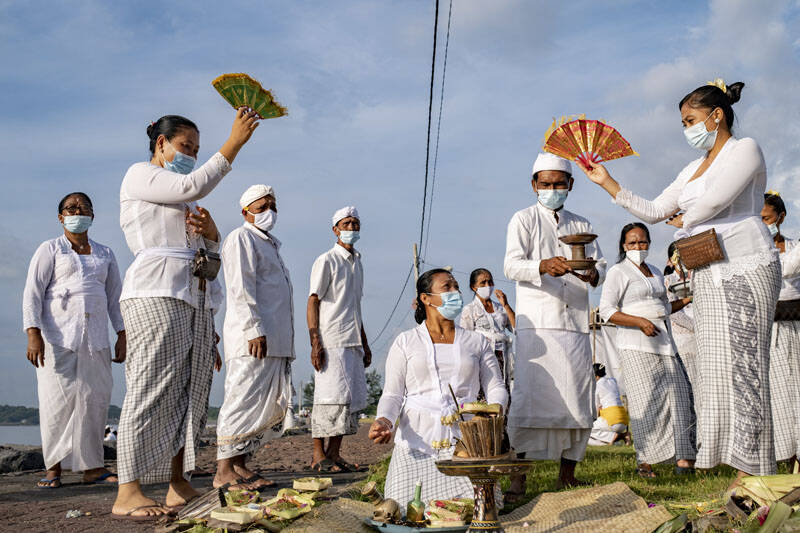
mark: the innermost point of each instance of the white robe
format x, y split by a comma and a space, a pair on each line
259, 303
70, 298
552, 398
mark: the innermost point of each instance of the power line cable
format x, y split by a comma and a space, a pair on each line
399, 298
438, 130
430, 116
427, 163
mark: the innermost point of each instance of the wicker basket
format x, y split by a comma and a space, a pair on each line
699, 250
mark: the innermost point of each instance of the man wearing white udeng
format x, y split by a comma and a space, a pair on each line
259, 339
552, 400
72, 290
339, 350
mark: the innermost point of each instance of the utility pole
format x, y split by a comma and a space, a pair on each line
416, 263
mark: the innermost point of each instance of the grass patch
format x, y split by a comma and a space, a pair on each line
609, 464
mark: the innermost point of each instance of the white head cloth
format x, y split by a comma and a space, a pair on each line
253, 193
349, 211
547, 161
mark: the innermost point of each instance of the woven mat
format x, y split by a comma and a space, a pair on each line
342, 515
610, 508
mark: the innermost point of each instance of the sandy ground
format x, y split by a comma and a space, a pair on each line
24, 507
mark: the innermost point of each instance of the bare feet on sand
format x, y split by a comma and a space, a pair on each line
180, 492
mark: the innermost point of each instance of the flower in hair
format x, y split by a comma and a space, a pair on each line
773, 193
720, 83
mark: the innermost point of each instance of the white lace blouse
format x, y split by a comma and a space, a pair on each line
728, 197
68, 295
627, 290
790, 287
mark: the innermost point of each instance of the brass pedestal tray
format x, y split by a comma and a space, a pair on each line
682, 289
578, 243
484, 472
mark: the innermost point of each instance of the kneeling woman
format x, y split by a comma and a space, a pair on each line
421, 364
660, 405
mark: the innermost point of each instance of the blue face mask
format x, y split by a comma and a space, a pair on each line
349, 237
77, 223
451, 304
553, 198
699, 137
181, 163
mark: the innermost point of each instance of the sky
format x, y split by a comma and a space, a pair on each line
82, 80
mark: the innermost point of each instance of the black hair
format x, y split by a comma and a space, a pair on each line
712, 97
473, 277
599, 370
624, 233
776, 203
67, 197
424, 284
669, 269
168, 126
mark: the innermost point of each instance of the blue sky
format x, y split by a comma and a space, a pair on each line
82, 80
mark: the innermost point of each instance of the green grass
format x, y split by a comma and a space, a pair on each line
609, 464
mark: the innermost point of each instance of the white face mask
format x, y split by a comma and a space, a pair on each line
485, 292
265, 220
699, 137
773, 229
637, 256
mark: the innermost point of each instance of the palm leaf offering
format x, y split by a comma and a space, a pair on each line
587, 141
240, 90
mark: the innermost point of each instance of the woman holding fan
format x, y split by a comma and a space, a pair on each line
735, 297
168, 298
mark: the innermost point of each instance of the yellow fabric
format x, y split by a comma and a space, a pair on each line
616, 414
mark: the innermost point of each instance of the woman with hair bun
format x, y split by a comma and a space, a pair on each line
735, 297
421, 364
168, 298
784, 366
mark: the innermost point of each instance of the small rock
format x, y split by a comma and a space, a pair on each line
74, 513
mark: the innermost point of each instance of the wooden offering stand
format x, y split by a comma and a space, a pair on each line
577, 243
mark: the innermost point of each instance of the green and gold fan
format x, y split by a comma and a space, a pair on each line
242, 90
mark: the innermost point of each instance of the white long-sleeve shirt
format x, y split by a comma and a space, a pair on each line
259, 295
416, 394
628, 290
153, 204
65, 296
337, 278
790, 262
728, 197
544, 301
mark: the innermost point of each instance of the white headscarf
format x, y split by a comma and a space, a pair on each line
254, 192
349, 211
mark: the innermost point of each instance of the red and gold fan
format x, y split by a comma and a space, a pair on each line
587, 141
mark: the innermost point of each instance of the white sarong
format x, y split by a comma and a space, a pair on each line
257, 395
74, 392
552, 398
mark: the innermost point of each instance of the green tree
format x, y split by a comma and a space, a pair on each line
308, 393
374, 390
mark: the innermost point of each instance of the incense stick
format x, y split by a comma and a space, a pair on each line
455, 400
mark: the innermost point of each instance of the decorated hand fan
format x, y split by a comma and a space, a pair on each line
242, 90
588, 141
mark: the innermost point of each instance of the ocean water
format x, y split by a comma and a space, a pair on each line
20, 435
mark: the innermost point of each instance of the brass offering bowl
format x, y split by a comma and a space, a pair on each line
577, 243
